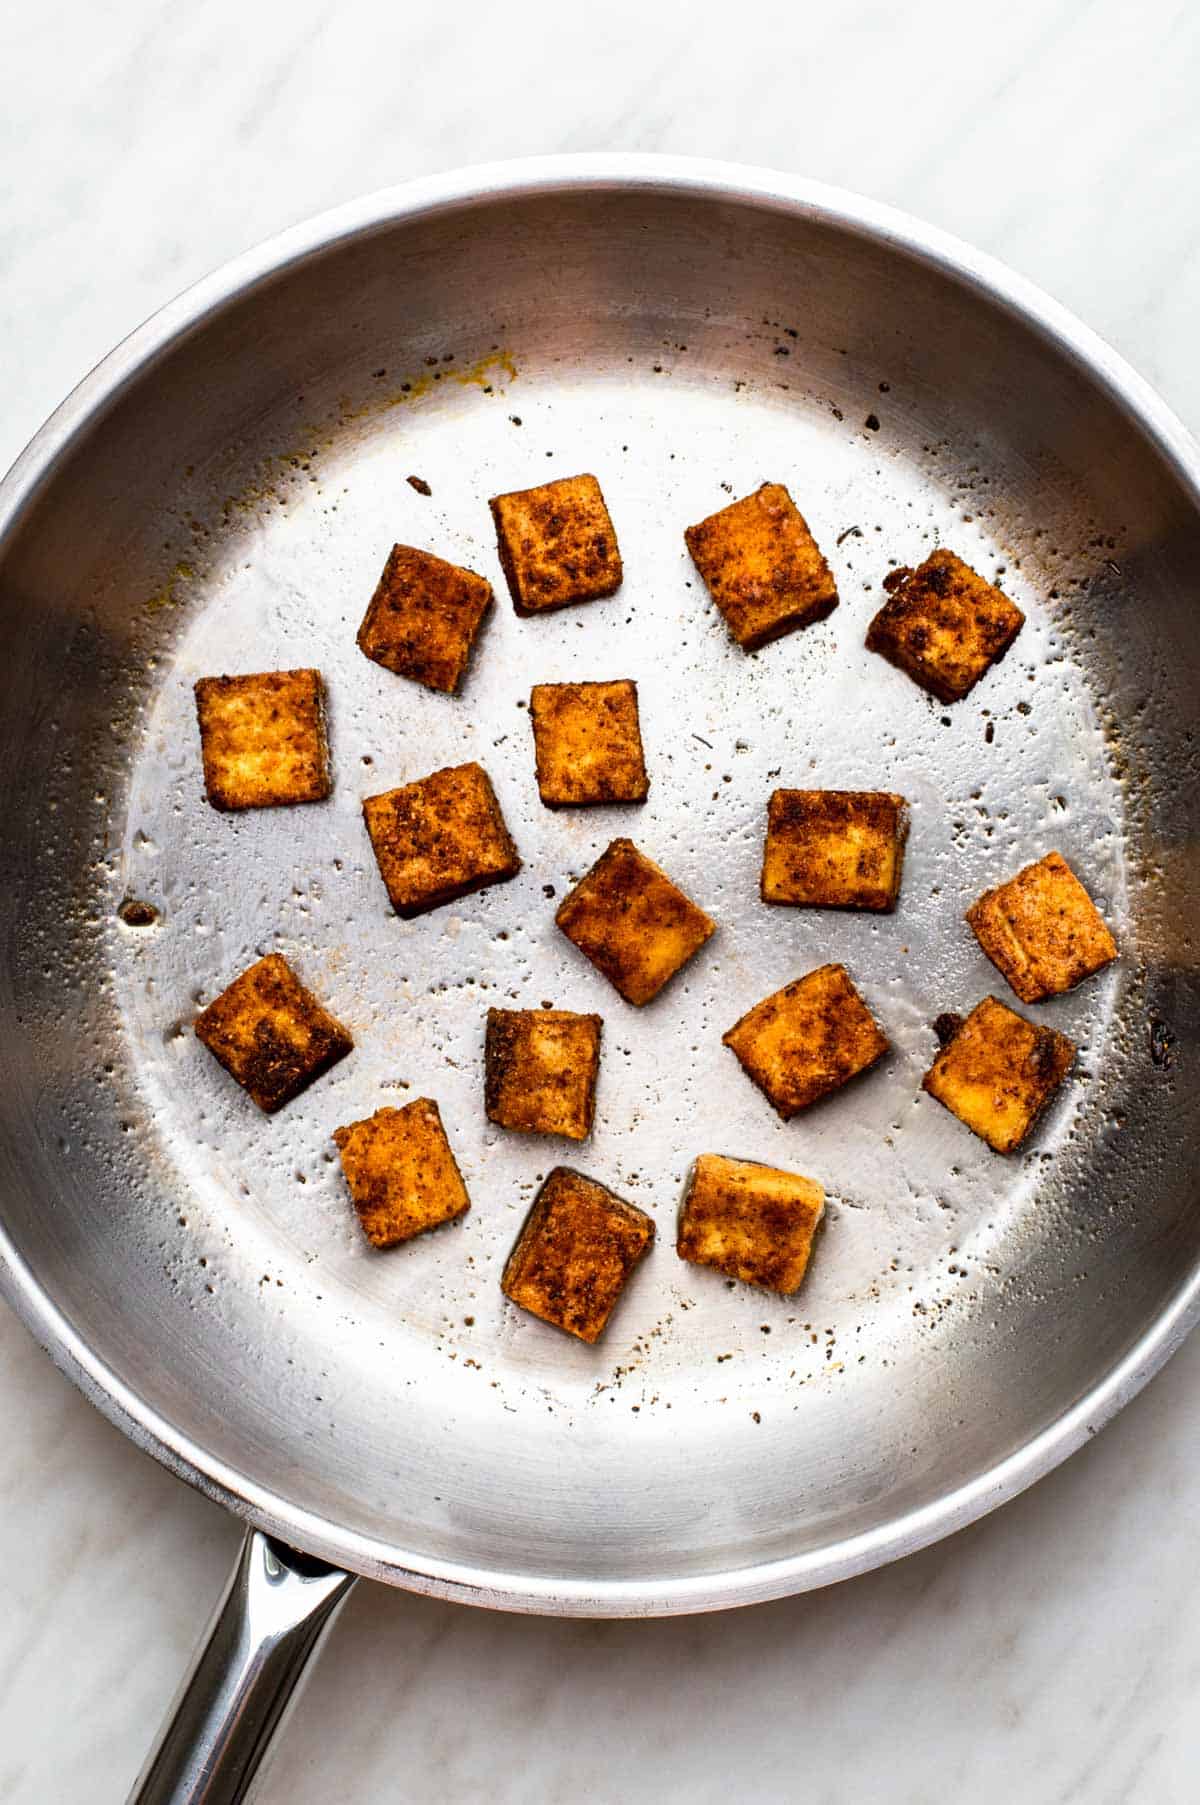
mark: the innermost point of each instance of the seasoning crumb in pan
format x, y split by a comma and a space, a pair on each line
753, 1222
807, 1039
998, 1073
424, 618
263, 740
439, 838
271, 1033
540, 1069
588, 743
575, 1252
401, 1172
556, 544
762, 567
943, 625
632, 922
834, 849
1042, 930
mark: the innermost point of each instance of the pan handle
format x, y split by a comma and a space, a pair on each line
269, 1624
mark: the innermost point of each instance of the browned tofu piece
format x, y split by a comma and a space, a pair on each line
540, 1068
262, 739
752, 1222
588, 743
834, 849
556, 544
762, 567
422, 620
943, 625
271, 1034
439, 838
629, 919
807, 1039
578, 1246
1042, 930
997, 1072
401, 1172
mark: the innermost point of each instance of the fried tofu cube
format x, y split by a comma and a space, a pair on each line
1042, 930
577, 1248
402, 1174
556, 544
587, 740
751, 1222
540, 1068
422, 620
762, 567
834, 849
944, 625
807, 1039
271, 1034
439, 838
997, 1072
262, 739
631, 921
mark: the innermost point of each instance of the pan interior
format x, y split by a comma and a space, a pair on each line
231, 511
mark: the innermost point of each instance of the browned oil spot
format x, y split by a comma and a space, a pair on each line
137, 914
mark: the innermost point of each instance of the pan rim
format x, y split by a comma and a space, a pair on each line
529, 178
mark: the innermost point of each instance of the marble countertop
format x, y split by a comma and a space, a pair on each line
1046, 1649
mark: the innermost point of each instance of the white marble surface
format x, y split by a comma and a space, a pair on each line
1053, 1650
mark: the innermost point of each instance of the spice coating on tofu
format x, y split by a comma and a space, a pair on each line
577, 1248
998, 1072
807, 1039
423, 618
540, 1068
834, 849
752, 1222
262, 739
943, 625
402, 1174
1042, 930
439, 838
556, 544
762, 567
588, 743
271, 1034
631, 921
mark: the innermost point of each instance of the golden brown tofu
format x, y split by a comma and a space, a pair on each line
271, 1034
577, 1248
556, 544
629, 919
752, 1222
834, 849
262, 739
439, 838
540, 1068
422, 620
807, 1039
944, 625
1042, 930
401, 1172
762, 567
587, 739
997, 1072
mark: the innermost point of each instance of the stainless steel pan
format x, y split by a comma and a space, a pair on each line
220, 496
